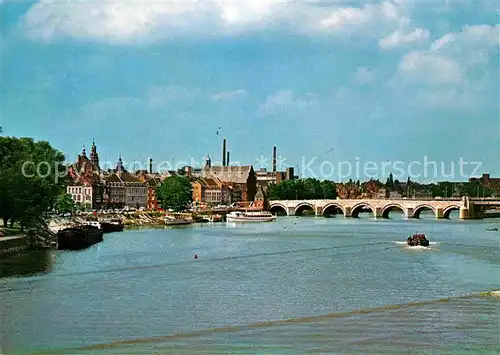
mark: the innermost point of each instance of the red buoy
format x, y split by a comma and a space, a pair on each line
196, 256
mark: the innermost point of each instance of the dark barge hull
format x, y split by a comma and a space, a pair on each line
111, 227
78, 238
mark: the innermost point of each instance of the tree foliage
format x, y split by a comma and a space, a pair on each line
175, 192
65, 203
29, 180
302, 189
390, 181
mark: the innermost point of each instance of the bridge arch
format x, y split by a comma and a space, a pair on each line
356, 209
301, 207
447, 211
417, 210
390, 207
276, 208
333, 204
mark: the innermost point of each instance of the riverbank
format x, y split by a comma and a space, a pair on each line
13, 245
131, 220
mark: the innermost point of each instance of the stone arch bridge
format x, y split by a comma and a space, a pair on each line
469, 208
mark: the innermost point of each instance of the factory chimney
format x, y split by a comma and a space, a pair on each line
151, 165
224, 152
227, 158
274, 159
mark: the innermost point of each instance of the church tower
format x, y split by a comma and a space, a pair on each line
119, 167
94, 157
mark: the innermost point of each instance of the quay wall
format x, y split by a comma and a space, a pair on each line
12, 246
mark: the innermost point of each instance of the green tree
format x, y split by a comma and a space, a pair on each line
175, 192
475, 189
390, 181
329, 189
29, 180
302, 189
65, 204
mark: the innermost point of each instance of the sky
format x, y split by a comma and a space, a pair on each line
334, 85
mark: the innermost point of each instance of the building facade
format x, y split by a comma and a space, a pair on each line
211, 191
241, 179
152, 181
84, 180
122, 189
81, 194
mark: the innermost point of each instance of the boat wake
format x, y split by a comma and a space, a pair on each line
405, 243
418, 247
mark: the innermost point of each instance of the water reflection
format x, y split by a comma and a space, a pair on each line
27, 264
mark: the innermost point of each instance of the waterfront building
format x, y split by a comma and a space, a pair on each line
489, 182
84, 179
152, 181
260, 200
211, 191
122, 189
348, 190
241, 180
81, 193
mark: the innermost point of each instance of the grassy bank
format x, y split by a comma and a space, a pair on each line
9, 232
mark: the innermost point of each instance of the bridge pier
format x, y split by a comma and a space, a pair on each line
473, 212
439, 213
347, 212
464, 213
409, 213
377, 212
291, 211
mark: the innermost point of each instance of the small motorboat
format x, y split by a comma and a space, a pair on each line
418, 240
172, 221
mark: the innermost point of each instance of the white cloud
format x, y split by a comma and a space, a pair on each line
228, 95
130, 21
286, 100
364, 76
455, 71
451, 57
399, 38
480, 37
427, 67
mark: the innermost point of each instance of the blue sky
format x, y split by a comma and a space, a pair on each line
339, 81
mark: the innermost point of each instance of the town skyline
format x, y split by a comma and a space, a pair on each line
432, 171
422, 84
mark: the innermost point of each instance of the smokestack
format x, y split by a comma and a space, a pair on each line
150, 165
227, 159
274, 159
224, 152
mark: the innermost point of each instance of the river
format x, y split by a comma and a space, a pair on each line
296, 286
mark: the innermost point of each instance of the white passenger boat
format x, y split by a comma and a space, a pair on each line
237, 216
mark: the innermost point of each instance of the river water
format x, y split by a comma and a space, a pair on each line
297, 286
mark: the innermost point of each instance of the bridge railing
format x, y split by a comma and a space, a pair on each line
384, 198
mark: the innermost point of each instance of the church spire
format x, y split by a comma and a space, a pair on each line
94, 157
119, 165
